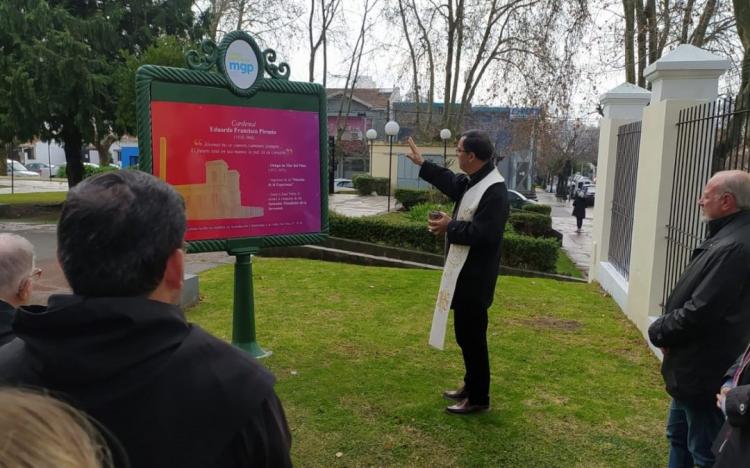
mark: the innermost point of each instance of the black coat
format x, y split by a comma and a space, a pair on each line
477, 280
173, 395
707, 320
7, 312
732, 445
579, 205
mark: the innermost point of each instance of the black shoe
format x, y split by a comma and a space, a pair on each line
464, 407
457, 395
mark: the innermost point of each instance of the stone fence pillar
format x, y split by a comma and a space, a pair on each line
622, 105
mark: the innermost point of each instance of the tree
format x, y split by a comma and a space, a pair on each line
326, 14
652, 26
511, 41
60, 59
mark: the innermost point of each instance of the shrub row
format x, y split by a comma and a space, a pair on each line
530, 223
537, 208
519, 251
366, 184
411, 197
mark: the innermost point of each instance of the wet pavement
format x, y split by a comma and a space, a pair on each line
576, 244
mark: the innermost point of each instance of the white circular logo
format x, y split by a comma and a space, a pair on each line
241, 64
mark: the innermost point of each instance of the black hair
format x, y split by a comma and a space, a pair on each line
479, 143
116, 232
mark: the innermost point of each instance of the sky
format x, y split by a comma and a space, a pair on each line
385, 53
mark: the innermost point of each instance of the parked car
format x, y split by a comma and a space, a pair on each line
340, 185
517, 200
42, 168
18, 169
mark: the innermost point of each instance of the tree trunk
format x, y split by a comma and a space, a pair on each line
431, 70
72, 143
629, 10
414, 65
641, 26
699, 34
102, 147
448, 64
742, 17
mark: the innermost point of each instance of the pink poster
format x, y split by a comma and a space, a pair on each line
243, 172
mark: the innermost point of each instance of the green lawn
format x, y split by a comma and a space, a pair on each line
573, 382
565, 265
33, 198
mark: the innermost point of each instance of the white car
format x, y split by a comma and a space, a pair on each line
18, 170
340, 185
42, 168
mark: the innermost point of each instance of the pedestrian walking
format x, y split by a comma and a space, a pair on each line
579, 206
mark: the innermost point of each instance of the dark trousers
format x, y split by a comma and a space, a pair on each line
470, 324
691, 432
579, 222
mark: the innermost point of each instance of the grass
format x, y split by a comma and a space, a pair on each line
33, 198
573, 383
566, 266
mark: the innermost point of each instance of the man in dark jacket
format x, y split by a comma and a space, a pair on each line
707, 320
121, 350
17, 274
478, 229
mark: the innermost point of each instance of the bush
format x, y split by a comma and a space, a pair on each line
366, 184
537, 208
518, 251
407, 235
529, 253
411, 197
529, 223
419, 212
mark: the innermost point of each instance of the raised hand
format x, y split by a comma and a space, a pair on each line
415, 155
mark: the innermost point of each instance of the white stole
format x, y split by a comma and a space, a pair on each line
456, 258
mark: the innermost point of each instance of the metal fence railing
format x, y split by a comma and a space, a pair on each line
623, 200
711, 137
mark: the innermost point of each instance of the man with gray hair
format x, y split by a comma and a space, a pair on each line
16, 279
706, 321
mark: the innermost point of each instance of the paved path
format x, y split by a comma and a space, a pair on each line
576, 245
31, 184
356, 206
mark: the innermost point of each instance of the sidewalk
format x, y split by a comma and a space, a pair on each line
31, 184
576, 245
356, 206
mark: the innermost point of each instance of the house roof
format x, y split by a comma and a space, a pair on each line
375, 98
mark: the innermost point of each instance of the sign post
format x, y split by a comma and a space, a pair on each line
247, 150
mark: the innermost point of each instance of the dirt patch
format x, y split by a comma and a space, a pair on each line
22, 211
551, 323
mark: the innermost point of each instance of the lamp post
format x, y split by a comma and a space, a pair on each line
445, 135
371, 135
49, 159
391, 129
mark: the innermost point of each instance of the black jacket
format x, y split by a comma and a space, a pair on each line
476, 283
7, 312
707, 319
732, 445
173, 395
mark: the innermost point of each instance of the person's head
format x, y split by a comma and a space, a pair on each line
474, 150
726, 193
40, 431
120, 234
17, 271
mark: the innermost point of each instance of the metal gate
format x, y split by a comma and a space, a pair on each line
711, 137
623, 201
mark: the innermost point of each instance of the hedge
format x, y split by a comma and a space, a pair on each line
529, 253
518, 251
410, 198
366, 184
537, 208
530, 223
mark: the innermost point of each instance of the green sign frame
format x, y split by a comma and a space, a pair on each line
199, 84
